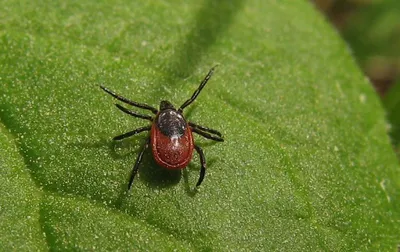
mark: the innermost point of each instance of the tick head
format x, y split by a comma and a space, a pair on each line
166, 105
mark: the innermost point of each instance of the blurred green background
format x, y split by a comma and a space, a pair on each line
372, 30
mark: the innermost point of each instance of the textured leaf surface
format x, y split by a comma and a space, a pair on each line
19, 201
306, 165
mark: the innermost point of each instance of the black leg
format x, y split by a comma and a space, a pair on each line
137, 163
132, 113
123, 99
193, 125
206, 135
197, 92
131, 133
203, 165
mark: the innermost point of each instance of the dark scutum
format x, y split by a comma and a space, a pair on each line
171, 123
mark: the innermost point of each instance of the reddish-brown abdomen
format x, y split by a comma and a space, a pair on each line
171, 152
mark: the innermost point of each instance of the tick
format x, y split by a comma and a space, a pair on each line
171, 135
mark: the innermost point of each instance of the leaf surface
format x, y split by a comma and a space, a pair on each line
306, 161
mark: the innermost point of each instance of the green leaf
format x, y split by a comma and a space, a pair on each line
306, 161
19, 201
72, 223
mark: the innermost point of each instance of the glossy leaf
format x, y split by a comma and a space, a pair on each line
306, 164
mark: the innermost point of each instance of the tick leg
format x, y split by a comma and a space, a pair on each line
133, 103
193, 125
131, 133
207, 135
132, 113
203, 164
197, 92
137, 163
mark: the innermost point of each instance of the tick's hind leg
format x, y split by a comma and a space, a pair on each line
203, 165
137, 163
131, 133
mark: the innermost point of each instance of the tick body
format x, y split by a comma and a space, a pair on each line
171, 135
171, 139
